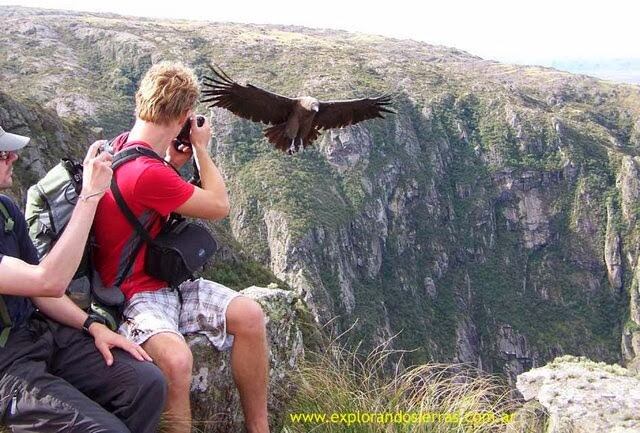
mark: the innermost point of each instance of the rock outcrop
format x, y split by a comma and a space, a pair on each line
215, 402
582, 396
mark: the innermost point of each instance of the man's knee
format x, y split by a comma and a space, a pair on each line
177, 364
245, 317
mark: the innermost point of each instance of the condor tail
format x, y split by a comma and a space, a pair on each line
277, 135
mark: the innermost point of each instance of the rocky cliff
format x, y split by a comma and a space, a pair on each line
491, 221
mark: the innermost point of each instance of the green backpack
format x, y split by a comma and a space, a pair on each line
50, 203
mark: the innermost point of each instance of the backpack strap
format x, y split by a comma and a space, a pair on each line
133, 152
8, 221
117, 195
5, 317
7, 323
120, 159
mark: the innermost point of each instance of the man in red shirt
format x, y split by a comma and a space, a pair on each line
155, 317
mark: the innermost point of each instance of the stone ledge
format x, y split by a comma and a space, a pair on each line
583, 396
215, 402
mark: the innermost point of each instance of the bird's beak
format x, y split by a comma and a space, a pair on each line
316, 109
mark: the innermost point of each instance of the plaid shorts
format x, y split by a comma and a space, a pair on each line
203, 310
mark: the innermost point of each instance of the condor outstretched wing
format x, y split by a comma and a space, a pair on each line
248, 101
337, 114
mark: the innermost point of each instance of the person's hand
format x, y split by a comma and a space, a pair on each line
96, 171
200, 135
106, 339
178, 157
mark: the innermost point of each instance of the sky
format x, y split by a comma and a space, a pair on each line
516, 31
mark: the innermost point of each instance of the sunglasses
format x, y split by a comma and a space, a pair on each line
5, 154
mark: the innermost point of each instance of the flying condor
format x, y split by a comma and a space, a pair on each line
295, 122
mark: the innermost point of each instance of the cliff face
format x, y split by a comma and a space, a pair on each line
491, 221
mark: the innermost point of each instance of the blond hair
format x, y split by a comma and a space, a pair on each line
166, 93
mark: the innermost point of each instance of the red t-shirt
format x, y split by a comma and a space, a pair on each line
152, 190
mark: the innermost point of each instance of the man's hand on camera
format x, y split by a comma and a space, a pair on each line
97, 172
200, 135
178, 157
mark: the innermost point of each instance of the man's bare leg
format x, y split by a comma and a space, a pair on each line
249, 362
172, 354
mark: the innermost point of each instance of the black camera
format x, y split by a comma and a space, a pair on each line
184, 136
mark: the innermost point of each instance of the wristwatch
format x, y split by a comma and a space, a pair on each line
90, 320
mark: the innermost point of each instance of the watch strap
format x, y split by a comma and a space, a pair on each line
91, 319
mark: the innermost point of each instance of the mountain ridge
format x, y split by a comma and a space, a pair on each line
491, 221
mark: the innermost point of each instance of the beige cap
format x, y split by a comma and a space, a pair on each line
9, 142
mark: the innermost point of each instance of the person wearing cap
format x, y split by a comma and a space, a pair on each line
60, 370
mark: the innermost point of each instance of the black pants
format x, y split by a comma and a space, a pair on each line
53, 379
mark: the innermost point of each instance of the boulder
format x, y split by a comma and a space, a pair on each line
215, 402
582, 396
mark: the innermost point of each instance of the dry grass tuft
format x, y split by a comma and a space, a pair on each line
433, 398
